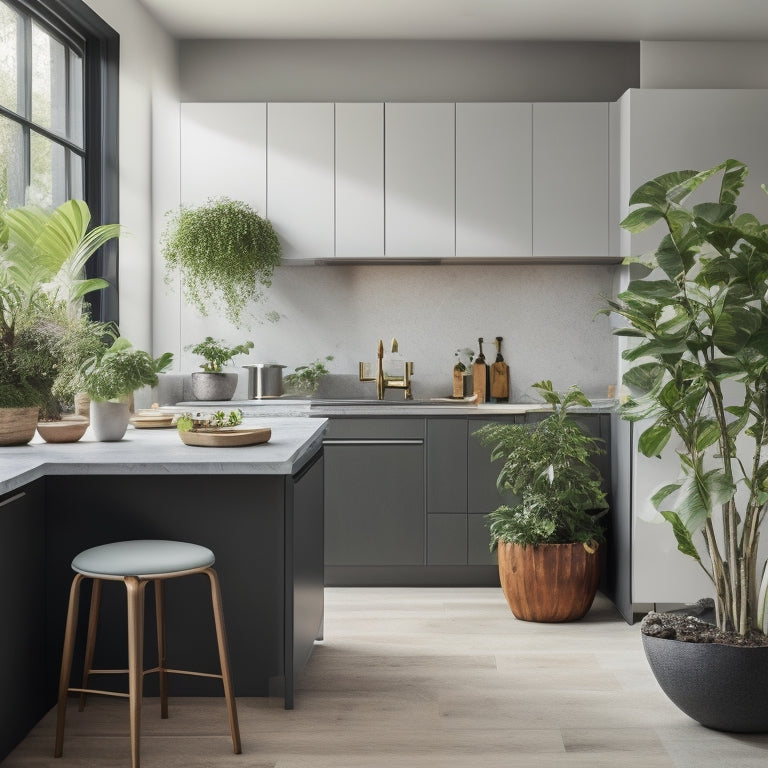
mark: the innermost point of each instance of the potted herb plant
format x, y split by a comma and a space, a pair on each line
44, 334
110, 377
305, 379
548, 542
698, 377
225, 252
211, 384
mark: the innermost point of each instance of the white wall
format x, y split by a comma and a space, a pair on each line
149, 169
703, 65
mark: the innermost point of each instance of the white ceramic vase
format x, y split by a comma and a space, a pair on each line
109, 420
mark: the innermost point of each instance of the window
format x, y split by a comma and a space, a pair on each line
58, 117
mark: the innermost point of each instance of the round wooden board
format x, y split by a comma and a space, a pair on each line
226, 438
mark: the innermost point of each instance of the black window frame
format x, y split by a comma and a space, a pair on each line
74, 20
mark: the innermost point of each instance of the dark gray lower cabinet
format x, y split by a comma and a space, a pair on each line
26, 689
374, 492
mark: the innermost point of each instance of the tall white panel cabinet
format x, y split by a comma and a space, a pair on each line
224, 153
300, 178
419, 180
493, 180
359, 180
571, 180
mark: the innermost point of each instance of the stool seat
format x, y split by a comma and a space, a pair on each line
142, 558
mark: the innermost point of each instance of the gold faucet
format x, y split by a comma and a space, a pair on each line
383, 381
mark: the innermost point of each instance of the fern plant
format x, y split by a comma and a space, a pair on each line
548, 465
225, 252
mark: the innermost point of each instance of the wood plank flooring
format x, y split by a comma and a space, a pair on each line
426, 678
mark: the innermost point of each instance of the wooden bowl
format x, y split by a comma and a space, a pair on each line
69, 430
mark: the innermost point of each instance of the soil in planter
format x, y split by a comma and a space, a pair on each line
688, 626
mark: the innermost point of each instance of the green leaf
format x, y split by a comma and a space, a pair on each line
653, 440
655, 192
658, 498
684, 540
640, 219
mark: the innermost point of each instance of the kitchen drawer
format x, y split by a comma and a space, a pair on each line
375, 428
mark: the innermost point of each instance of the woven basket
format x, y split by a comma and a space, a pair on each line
17, 425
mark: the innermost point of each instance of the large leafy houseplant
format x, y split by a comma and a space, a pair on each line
698, 316
548, 465
226, 254
547, 543
44, 333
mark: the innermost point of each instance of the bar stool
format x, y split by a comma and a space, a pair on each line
137, 563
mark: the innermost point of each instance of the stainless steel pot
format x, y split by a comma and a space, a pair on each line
264, 380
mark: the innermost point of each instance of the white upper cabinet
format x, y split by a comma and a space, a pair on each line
674, 130
360, 181
419, 180
493, 180
224, 153
571, 180
300, 178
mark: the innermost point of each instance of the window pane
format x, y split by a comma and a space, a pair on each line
49, 82
11, 164
48, 176
76, 98
76, 176
10, 27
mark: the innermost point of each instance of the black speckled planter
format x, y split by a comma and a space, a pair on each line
721, 686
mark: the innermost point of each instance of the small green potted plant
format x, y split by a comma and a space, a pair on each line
110, 378
212, 384
305, 379
225, 253
548, 542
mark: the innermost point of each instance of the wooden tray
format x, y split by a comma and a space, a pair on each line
225, 438
152, 422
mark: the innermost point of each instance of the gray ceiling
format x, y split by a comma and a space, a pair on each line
616, 20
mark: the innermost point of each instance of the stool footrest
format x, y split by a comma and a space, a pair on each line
96, 690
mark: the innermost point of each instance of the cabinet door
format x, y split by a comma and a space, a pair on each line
570, 180
224, 153
374, 503
359, 181
27, 688
300, 196
493, 180
447, 466
419, 163
728, 123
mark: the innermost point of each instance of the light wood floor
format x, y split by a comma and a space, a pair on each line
416, 678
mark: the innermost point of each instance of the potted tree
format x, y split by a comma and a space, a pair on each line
44, 334
225, 252
698, 376
548, 542
110, 378
211, 383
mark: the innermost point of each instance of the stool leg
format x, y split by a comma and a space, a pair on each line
135, 598
66, 662
161, 646
221, 637
90, 643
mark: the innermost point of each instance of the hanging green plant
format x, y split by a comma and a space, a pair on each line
226, 254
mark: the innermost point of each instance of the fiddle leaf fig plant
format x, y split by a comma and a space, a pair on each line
226, 254
548, 465
698, 317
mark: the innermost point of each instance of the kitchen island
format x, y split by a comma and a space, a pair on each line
259, 508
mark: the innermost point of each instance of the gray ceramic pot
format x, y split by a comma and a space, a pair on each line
720, 686
213, 386
109, 421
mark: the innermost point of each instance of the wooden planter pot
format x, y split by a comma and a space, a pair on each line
551, 582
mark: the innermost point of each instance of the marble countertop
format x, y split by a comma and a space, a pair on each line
331, 408
160, 451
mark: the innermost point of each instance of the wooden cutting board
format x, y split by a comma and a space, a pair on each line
480, 380
500, 381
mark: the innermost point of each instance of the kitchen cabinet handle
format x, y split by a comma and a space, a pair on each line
373, 441
10, 500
